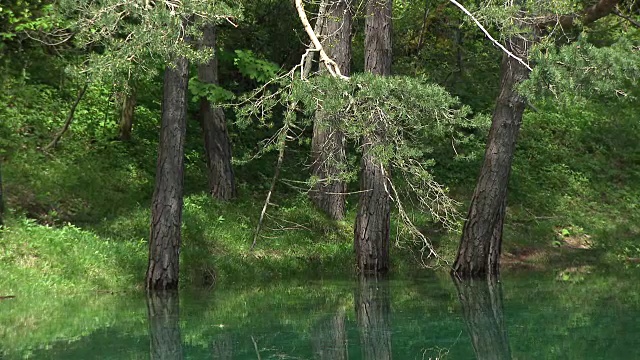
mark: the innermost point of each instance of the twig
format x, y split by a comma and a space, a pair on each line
628, 18
255, 346
281, 144
67, 123
454, 2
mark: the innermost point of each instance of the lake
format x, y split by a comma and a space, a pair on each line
574, 314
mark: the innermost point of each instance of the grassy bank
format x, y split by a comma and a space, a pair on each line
78, 216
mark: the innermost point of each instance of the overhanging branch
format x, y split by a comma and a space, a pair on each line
331, 65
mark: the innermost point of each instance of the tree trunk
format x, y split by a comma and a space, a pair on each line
126, 115
163, 310
373, 219
327, 145
330, 338
481, 302
217, 146
373, 310
166, 209
480, 246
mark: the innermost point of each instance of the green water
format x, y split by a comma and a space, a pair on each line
541, 316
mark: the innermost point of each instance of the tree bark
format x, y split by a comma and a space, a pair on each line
166, 209
373, 312
217, 145
328, 144
373, 219
163, 310
127, 111
330, 338
481, 303
481, 243
480, 246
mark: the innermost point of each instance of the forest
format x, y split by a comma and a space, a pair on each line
151, 145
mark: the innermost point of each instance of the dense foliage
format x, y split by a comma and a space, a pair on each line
575, 180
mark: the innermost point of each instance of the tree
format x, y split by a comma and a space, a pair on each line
373, 218
481, 242
217, 145
166, 207
488, 204
328, 143
127, 109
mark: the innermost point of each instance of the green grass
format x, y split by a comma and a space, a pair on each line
78, 217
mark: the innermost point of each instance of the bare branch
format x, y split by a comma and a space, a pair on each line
628, 18
331, 65
454, 2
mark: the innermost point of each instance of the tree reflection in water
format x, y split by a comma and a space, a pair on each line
373, 311
222, 347
481, 302
330, 338
163, 310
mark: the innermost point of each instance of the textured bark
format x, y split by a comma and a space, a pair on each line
330, 338
373, 218
217, 145
373, 312
166, 208
127, 110
481, 302
480, 246
163, 310
328, 145
481, 243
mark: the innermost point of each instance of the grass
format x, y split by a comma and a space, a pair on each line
79, 216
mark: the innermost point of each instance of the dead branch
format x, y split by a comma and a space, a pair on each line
331, 65
281, 144
454, 2
67, 123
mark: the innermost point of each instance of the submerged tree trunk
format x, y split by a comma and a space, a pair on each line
480, 246
163, 310
327, 145
373, 312
373, 219
127, 110
482, 309
217, 146
166, 209
330, 338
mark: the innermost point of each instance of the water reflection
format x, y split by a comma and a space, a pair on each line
329, 337
222, 347
373, 312
163, 310
481, 302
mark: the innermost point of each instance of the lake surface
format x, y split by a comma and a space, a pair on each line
562, 315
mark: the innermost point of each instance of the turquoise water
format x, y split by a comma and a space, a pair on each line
528, 316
